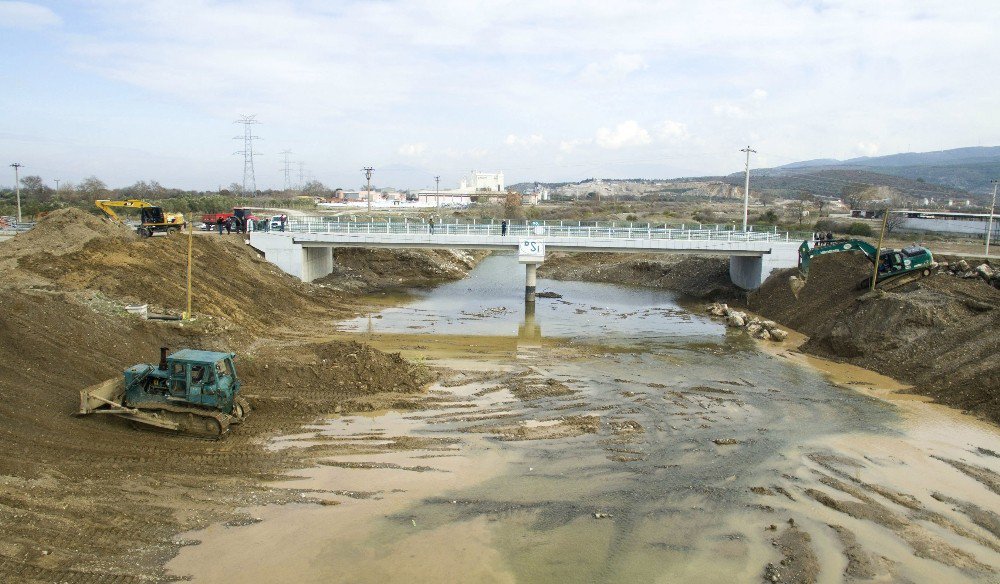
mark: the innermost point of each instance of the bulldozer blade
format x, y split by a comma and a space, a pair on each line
101, 395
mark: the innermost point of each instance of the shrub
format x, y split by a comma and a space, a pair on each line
858, 228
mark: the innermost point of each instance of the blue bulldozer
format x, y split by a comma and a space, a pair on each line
190, 392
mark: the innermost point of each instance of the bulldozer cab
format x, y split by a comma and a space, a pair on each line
205, 378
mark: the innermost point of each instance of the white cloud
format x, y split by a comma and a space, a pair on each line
671, 130
758, 94
729, 109
532, 140
867, 148
413, 149
26, 15
571, 145
614, 68
627, 133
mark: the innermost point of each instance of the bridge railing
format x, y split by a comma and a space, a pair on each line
519, 231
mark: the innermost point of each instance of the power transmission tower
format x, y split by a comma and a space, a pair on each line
302, 174
437, 190
368, 175
288, 170
746, 187
248, 121
17, 188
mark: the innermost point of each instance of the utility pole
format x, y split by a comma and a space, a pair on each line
248, 122
288, 170
746, 187
989, 229
368, 176
437, 190
17, 188
57, 186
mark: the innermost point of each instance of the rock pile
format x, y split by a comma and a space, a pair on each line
761, 329
962, 269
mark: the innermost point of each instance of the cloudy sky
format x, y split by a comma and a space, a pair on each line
543, 90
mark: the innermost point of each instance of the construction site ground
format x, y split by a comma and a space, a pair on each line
93, 500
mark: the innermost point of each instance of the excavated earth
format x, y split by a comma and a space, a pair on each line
938, 333
92, 499
695, 277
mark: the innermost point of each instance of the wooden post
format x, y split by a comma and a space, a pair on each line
878, 250
187, 314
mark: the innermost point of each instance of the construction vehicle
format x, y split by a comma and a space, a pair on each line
152, 219
190, 392
895, 266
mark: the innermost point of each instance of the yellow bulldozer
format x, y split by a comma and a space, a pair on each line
152, 219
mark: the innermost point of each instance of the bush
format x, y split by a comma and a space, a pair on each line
631, 217
825, 225
858, 228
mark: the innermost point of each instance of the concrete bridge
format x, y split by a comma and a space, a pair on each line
305, 249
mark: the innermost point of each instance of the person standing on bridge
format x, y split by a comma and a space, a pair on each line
503, 227
431, 225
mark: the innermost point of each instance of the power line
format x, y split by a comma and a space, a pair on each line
288, 175
248, 121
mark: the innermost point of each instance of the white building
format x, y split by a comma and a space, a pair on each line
478, 184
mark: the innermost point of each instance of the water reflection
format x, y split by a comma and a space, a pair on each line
490, 302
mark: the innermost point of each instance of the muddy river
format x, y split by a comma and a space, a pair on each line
619, 435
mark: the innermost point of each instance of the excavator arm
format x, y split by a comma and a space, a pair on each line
108, 206
806, 253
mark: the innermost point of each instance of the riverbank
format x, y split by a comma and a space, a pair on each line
696, 277
937, 334
63, 327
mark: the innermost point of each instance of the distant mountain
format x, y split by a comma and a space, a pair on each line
961, 169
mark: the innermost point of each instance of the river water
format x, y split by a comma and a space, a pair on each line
619, 435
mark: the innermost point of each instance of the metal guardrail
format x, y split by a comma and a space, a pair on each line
520, 230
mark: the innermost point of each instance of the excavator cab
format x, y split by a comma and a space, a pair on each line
151, 215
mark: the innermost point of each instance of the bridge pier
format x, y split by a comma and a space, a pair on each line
530, 276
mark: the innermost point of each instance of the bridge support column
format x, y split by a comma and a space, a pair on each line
530, 275
316, 262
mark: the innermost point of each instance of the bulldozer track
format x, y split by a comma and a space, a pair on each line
191, 421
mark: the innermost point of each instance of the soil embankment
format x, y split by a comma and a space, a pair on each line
696, 277
381, 270
91, 499
938, 333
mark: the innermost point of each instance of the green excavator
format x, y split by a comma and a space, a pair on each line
895, 266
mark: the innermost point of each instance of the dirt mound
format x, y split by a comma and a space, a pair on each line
938, 333
230, 280
65, 231
697, 277
368, 270
92, 499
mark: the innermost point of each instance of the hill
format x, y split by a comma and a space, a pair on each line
959, 171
